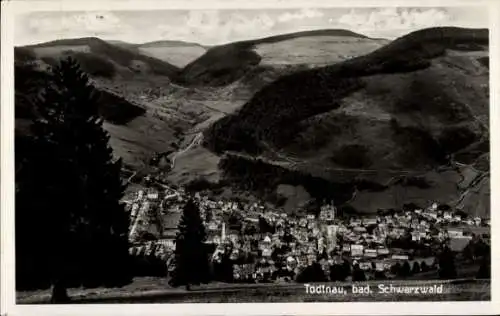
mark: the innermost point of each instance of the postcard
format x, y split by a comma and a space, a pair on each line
248, 158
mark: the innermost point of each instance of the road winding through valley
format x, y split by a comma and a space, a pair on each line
197, 140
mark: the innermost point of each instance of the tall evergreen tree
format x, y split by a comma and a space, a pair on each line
68, 193
190, 253
485, 264
446, 259
405, 270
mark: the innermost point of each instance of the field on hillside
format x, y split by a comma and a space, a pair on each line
194, 164
315, 50
178, 56
225, 64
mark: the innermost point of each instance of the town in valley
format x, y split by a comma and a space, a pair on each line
265, 244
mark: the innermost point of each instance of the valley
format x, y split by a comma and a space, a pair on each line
368, 116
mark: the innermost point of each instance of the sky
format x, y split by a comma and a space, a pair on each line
213, 27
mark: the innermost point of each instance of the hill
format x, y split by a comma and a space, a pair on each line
177, 53
404, 109
29, 82
145, 112
136, 133
224, 64
101, 58
127, 122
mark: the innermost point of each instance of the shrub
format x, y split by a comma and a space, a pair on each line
424, 267
312, 273
358, 275
415, 268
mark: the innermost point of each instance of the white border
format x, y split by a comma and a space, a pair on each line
7, 193
7, 303
134, 5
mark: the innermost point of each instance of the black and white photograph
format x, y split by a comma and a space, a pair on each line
250, 155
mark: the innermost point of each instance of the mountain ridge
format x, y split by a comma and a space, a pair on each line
407, 105
99, 57
224, 64
316, 111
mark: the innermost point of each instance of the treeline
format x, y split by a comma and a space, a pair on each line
262, 178
273, 113
414, 51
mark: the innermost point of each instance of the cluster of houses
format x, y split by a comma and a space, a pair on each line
259, 240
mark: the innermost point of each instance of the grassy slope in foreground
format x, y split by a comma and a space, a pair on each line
405, 106
154, 290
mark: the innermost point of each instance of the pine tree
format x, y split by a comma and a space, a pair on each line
190, 252
446, 259
69, 194
405, 270
484, 271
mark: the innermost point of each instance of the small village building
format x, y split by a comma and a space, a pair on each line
365, 266
355, 222
132, 251
415, 236
357, 250
342, 229
359, 229
315, 231
370, 253
453, 233
216, 239
168, 243
141, 250
399, 257
370, 221
212, 226
433, 207
379, 266
235, 254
